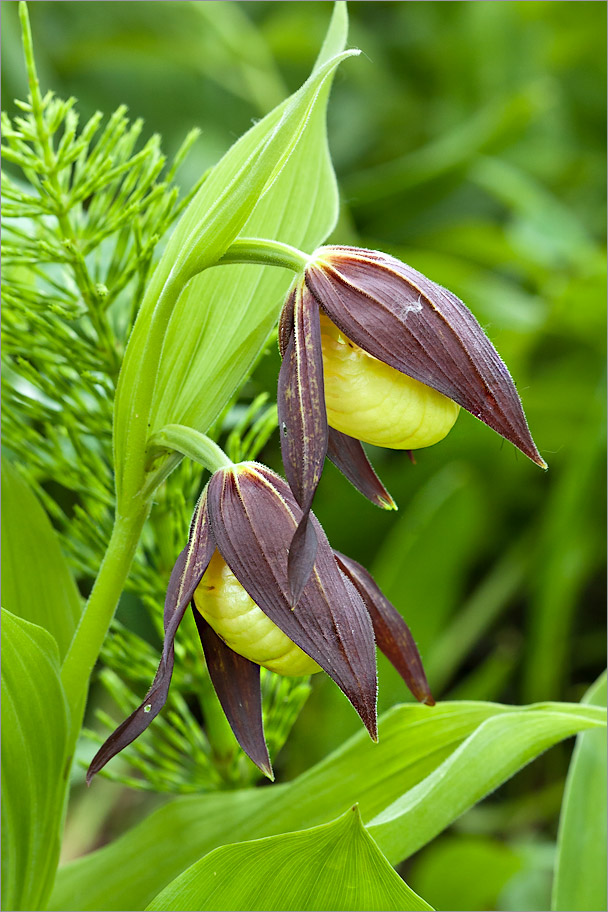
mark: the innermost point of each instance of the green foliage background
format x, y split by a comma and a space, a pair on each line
468, 140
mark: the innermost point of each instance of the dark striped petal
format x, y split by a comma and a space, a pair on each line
301, 559
348, 455
392, 633
237, 684
185, 577
423, 330
253, 516
303, 427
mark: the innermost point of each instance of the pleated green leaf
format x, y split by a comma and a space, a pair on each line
414, 741
276, 182
34, 768
336, 866
36, 581
580, 873
493, 753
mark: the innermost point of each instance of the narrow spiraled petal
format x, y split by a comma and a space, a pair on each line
423, 330
393, 636
185, 577
237, 684
303, 428
253, 515
348, 455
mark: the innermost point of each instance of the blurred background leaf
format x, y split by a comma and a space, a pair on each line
580, 873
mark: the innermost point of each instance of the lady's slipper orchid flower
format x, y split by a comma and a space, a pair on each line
374, 351
234, 572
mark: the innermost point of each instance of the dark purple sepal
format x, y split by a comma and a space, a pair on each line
185, 577
237, 684
407, 321
301, 559
348, 455
253, 516
303, 426
286, 321
393, 636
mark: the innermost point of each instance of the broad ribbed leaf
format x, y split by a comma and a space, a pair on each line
34, 762
421, 329
413, 741
332, 867
185, 577
348, 455
580, 873
36, 581
275, 182
490, 755
253, 517
237, 683
392, 634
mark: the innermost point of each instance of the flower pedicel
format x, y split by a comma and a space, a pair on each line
234, 572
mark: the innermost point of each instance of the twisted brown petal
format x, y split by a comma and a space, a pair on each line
303, 428
286, 321
237, 683
253, 516
392, 633
185, 577
421, 329
348, 455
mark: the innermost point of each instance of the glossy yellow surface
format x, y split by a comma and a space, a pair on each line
367, 399
243, 626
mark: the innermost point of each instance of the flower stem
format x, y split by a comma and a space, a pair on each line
99, 611
265, 252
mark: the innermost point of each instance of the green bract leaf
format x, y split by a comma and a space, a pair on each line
413, 741
335, 866
36, 581
489, 756
34, 769
580, 874
277, 180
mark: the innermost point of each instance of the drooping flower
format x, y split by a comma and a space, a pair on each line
234, 573
374, 351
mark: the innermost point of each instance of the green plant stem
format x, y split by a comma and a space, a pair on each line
258, 251
265, 253
174, 441
99, 611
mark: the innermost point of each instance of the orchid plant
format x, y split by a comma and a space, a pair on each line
372, 352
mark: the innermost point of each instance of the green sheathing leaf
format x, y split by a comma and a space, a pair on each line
580, 874
225, 315
276, 182
413, 741
34, 731
36, 581
490, 755
336, 866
